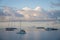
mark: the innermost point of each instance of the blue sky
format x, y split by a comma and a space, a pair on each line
45, 4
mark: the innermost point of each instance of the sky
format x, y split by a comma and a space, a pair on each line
29, 9
45, 4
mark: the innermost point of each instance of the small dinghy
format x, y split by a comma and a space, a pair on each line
21, 32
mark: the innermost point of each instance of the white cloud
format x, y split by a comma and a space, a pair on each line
26, 8
38, 8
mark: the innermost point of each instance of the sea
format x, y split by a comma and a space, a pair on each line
31, 32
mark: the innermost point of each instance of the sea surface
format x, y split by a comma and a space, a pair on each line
31, 32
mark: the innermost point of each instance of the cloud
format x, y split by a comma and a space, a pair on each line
2, 13
54, 14
27, 13
57, 13
26, 8
38, 8
55, 4
37, 12
9, 14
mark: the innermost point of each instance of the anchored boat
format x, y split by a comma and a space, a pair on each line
50, 29
22, 31
10, 29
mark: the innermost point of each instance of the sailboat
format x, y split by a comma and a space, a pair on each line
10, 28
22, 31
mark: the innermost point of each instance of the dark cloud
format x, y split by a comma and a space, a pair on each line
57, 13
55, 4
19, 15
3, 14
8, 11
54, 14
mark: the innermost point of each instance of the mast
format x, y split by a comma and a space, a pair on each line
20, 24
9, 23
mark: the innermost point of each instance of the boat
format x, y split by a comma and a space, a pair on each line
50, 29
22, 31
40, 27
10, 29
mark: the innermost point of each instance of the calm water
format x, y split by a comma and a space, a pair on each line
32, 34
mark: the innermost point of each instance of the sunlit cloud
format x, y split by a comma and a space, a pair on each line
27, 13
34, 14
26, 8
37, 12
38, 8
